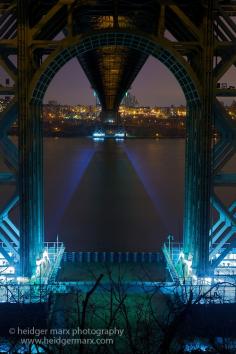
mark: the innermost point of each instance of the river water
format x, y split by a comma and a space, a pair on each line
114, 195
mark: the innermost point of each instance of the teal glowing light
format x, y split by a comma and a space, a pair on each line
120, 135
98, 139
98, 135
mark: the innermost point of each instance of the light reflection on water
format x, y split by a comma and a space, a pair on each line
129, 197
117, 196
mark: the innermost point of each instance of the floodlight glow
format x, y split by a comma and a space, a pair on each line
3, 262
98, 139
208, 280
120, 135
98, 135
11, 270
181, 255
22, 280
38, 262
45, 255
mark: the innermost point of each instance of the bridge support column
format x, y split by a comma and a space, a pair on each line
30, 153
198, 180
110, 116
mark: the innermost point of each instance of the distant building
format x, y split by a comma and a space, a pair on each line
53, 103
129, 100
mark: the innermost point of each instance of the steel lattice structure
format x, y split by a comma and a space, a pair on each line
112, 40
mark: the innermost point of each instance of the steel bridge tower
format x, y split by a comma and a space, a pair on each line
112, 40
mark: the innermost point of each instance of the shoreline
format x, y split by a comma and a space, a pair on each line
64, 135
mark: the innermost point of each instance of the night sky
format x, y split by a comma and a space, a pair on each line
154, 85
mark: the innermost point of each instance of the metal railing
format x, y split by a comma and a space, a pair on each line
170, 263
112, 257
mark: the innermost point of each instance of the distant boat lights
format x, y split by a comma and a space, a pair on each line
98, 135
120, 135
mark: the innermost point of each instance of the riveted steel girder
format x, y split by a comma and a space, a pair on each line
30, 153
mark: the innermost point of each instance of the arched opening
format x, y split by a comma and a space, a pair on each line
172, 60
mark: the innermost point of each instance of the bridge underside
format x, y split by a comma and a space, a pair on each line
195, 40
